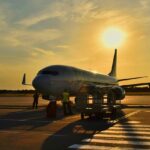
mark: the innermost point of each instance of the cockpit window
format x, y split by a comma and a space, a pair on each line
54, 73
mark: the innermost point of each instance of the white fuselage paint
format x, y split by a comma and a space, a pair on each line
53, 80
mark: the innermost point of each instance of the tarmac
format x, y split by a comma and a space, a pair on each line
23, 128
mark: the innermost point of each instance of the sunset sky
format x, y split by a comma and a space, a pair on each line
38, 33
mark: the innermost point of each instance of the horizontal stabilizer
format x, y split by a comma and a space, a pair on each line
119, 80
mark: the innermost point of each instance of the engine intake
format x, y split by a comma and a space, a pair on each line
119, 92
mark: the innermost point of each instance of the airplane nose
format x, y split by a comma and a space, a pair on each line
40, 83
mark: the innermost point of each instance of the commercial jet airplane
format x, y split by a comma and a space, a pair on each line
53, 80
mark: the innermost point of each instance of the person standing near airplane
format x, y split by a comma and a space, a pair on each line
66, 103
35, 100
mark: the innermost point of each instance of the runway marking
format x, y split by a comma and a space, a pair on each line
130, 125
130, 133
124, 117
136, 106
122, 136
33, 132
147, 111
95, 147
26, 120
122, 142
131, 128
133, 122
125, 132
7, 131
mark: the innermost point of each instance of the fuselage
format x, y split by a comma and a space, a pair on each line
53, 80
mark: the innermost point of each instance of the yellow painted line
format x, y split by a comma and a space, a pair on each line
96, 147
122, 136
126, 132
132, 128
121, 142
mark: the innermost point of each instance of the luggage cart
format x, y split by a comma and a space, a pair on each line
90, 106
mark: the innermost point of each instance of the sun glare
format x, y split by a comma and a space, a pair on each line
113, 37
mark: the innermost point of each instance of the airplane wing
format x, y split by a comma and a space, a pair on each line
137, 84
125, 79
90, 86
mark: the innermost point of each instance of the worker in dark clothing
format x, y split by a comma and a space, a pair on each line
66, 103
35, 100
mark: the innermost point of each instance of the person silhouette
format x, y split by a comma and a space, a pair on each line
35, 100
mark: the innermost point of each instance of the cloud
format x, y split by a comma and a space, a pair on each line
2, 22
38, 52
52, 10
39, 18
62, 46
65, 10
27, 38
38, 37
67, 32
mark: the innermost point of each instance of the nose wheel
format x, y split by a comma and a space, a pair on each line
51, 109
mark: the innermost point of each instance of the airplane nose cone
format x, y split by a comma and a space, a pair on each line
40, 83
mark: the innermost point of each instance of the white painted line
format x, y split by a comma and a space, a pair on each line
130, 106
131, 114
133, 122
122, 142
130, 125
126, 132
96, 147
126, 116
122, 136
130, 129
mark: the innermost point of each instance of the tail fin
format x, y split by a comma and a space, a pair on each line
114, 65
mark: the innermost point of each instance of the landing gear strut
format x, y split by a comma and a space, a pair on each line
111, 100
51, 109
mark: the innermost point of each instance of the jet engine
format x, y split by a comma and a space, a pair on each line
119, 92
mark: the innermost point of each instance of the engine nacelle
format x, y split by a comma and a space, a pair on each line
119, 92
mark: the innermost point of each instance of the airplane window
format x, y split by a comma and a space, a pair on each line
50, 72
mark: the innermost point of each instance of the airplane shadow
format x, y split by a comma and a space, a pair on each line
77, 131
69, 130
74, 133
132, 134
25, 117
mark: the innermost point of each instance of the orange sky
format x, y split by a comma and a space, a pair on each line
37, 33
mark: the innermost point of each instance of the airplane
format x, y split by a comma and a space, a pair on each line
53, 80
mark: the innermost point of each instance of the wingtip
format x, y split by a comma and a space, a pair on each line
24, 79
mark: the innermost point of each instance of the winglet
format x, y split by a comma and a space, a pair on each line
113, 71
119, 80
24, 79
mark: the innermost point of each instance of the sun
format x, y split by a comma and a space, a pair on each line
113, 37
